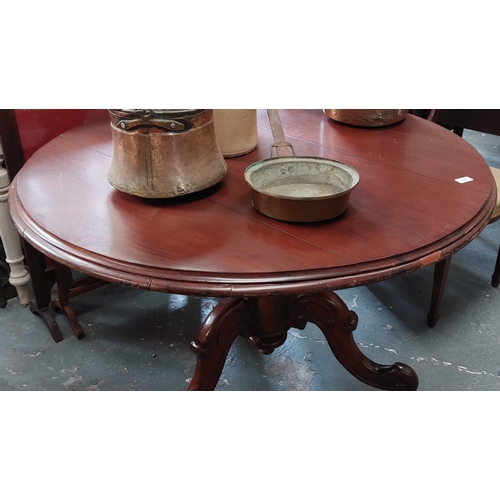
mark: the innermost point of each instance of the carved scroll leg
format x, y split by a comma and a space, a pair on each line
228, 319
327, 311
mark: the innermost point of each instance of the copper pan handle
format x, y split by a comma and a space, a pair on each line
280, 144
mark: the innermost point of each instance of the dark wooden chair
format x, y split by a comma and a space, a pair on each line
480, 120
22, 132
456, 120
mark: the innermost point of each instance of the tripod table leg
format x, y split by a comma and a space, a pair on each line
265, 322
327, 311
228, 319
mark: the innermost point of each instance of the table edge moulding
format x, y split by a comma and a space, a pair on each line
271, 275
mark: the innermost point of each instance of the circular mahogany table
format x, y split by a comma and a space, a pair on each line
407, 212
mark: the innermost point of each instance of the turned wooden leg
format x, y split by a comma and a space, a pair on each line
440, 275
270, 327
19, 276
327, 311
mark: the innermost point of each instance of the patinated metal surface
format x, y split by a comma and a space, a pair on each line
162, 153
367, 117
299, 188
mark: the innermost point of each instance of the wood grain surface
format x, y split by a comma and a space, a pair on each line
407, 212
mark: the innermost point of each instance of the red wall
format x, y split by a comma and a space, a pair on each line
39, 126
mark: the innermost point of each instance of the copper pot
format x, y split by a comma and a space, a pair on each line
367, 117
164, 153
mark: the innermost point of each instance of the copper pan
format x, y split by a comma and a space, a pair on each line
299, 188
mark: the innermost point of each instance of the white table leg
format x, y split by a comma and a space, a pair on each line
19, 276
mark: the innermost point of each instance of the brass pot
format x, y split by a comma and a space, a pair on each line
164, 153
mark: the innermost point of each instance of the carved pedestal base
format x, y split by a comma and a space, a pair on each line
265, 322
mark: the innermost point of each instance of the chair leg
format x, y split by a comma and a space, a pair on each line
42, 280
495, 277
440, 274
64, 283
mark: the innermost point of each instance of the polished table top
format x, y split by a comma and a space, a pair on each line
408, 211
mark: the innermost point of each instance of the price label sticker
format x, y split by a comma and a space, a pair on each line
463, 180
